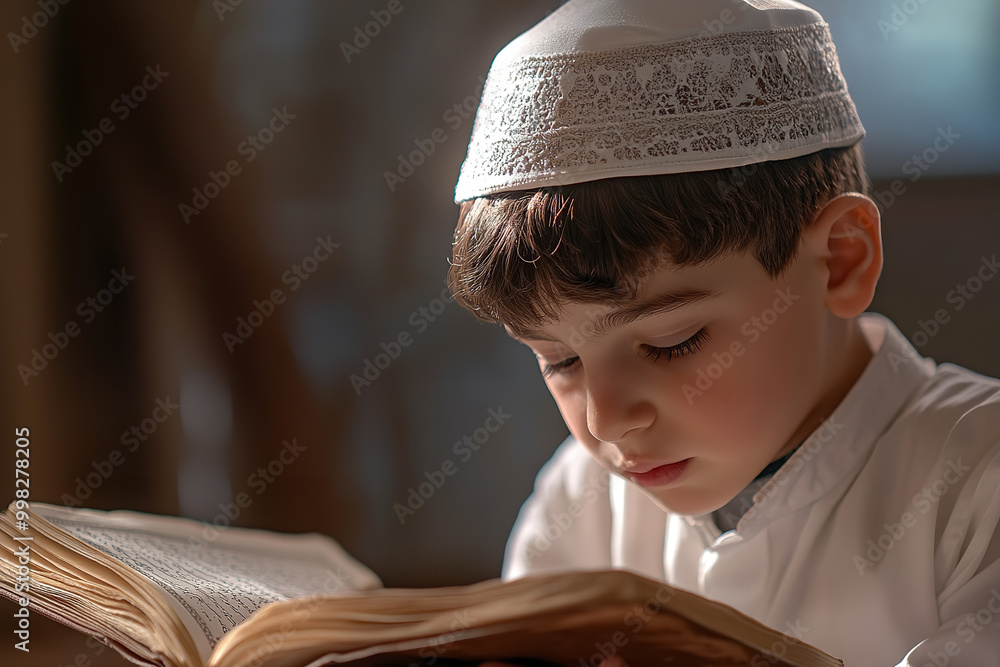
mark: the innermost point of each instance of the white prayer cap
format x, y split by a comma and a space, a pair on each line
608, 88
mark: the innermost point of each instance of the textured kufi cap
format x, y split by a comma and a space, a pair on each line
608, 88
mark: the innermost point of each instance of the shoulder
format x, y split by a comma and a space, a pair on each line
955, 413
956, 390
956, 418
971, 404
953, 426
946, 438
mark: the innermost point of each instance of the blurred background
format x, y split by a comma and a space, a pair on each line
227, 227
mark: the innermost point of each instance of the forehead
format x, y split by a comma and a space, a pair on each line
666, 289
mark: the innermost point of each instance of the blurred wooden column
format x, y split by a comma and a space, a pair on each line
119, 208
26, 280
27, 311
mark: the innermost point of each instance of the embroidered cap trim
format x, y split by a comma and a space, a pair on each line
689, 105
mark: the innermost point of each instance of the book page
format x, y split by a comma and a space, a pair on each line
215, 578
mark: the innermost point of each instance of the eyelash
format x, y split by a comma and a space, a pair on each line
690, 346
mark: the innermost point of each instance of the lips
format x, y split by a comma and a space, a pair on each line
660, 475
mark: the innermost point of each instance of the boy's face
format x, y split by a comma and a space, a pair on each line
764, 366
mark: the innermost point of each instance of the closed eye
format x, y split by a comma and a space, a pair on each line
690, 346
653, 353
559, 368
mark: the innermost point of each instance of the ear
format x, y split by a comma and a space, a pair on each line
846, 237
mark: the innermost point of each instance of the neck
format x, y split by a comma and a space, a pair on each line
848, 363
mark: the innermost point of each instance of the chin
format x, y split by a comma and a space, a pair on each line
687, 501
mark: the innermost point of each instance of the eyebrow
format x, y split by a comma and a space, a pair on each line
656, 305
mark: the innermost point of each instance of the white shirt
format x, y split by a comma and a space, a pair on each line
874, 542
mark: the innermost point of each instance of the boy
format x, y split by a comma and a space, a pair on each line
666, 201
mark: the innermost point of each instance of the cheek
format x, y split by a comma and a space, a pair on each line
573, 408
763, 394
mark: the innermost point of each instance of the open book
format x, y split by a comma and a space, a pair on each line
166, 591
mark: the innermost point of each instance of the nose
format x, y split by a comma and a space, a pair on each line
616, 405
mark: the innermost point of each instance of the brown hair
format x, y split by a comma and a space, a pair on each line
517, 254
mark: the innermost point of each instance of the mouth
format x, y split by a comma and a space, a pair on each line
658, 476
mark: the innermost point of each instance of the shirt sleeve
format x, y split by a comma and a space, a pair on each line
967, 553
566, 522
